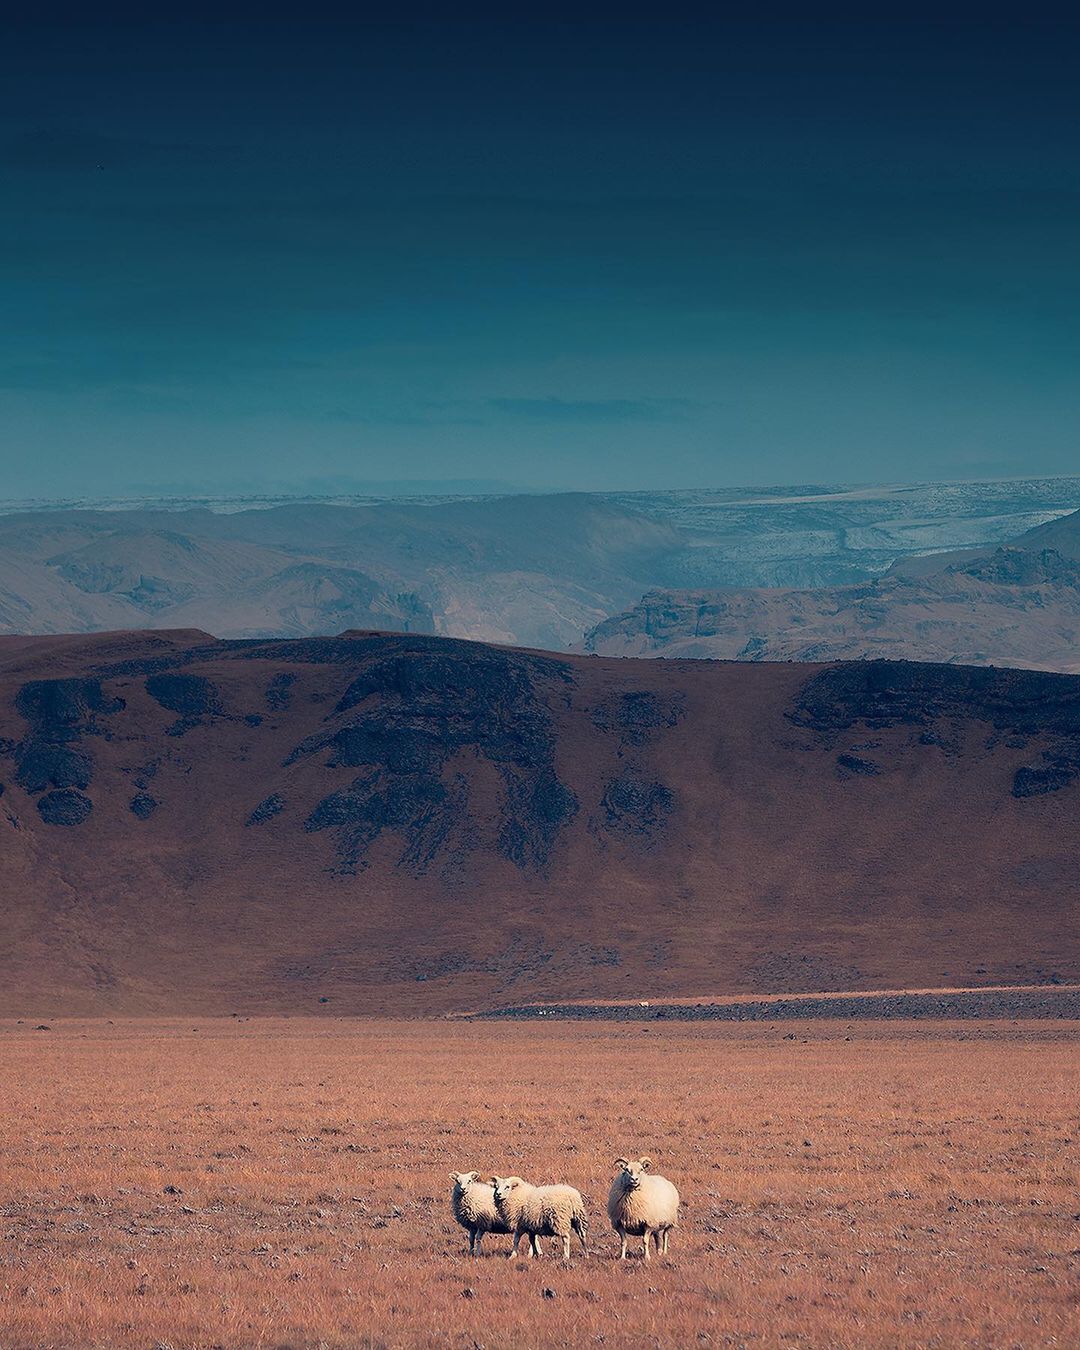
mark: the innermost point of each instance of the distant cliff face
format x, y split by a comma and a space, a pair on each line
1017, 605
399, 822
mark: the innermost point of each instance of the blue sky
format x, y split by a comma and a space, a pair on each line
611, 252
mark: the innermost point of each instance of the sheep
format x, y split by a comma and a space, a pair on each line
641, 1205
473, 1203
540, 1211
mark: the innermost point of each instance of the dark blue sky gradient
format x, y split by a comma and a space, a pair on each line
674, 251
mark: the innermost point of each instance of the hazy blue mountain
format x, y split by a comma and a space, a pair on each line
533, 569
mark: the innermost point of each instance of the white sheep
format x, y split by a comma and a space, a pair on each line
641, 1205
540, 1211
473, 1203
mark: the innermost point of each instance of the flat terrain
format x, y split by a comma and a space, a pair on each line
284, 1182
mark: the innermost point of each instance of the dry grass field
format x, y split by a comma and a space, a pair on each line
284, 1183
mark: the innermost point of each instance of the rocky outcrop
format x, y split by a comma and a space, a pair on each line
636, 806
60, 713
413, 710
267, 809
64, 806
143, 805
881, 694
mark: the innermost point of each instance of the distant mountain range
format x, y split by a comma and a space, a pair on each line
401, 823
1016, 604
540, 570
530, 569
819, 535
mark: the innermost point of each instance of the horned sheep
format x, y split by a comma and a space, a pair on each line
642, 1205
473, 1203
540, 1211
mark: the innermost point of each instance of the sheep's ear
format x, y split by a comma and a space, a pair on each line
453, 1176
471, 1176
646, 1163
619, 1162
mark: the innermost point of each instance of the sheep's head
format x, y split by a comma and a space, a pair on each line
503, 1186
462, 1179
630, 1172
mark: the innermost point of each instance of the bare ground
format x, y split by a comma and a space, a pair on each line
284, 1182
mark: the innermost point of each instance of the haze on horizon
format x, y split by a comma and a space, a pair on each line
552, 253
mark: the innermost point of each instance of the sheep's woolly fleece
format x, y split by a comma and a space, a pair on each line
541, 1211
473, 1204
640, 1204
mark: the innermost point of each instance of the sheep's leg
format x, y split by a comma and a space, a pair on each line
645, 1245
479, 1239
658, 1238
537, 1248
622, 1234
514, 1245
566, 1247
666, 1231
581, 1228
472, 1241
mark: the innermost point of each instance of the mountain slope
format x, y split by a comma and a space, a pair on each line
407, 823
1017, 604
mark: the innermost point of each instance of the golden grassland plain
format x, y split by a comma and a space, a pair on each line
284, 1183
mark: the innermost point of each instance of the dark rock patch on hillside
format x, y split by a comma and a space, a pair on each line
188, 695
894, 693
279, 691
412, 805
636, 806
352, 650
849, 765
400, 748
64, 806
267, 809
418, 670
143, 805
60, 713
538, 805
636, 713
41, 765
404, 718
60, 710
172, 658
193, 697
1052, 773
1020, 703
